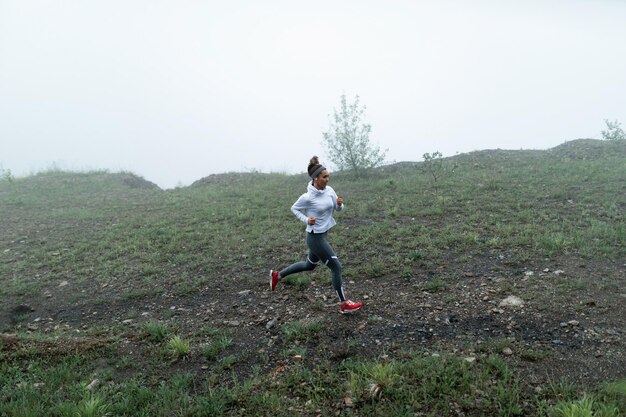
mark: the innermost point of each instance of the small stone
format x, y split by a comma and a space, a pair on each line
529, 273
244, 292
512, 301
128, 321
94, 385
297, 358
507, 351
470, 359
271, 324
573, 322
559, 272
63, 284
347, 401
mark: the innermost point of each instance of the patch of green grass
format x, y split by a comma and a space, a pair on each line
587, 406
92, 406
213, 349
297, 280
155, 331
301, 330
179, 347
434, 285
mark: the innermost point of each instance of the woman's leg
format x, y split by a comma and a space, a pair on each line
308, 264
323, 251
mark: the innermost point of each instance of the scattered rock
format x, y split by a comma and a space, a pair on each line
470, 359
375, 390
244, 293
271, 324
63, 284
94, 385
297, 358
127, 321
512, 301
507, 351
347, 402
559, 272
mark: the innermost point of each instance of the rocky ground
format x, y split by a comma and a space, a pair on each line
549, 320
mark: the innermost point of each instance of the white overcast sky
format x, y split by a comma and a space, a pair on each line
177, 90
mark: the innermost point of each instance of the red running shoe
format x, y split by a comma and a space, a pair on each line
273, 279
348, 307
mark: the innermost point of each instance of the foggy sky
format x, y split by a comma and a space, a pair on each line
177, 90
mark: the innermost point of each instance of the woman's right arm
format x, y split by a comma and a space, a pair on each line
298, 206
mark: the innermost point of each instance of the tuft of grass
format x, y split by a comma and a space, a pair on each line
213, 349
300, 330
92, 406
179, 347
155, 331
435, 285
297, 280
587, 406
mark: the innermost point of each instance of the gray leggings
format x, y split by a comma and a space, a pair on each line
319, 251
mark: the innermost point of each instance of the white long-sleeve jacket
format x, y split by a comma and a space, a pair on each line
319, 204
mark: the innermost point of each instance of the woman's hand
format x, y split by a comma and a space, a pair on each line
339, 201
311, 220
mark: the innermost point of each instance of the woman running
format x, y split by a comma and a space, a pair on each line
315, 208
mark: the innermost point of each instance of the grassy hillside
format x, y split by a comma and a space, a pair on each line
161, 296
